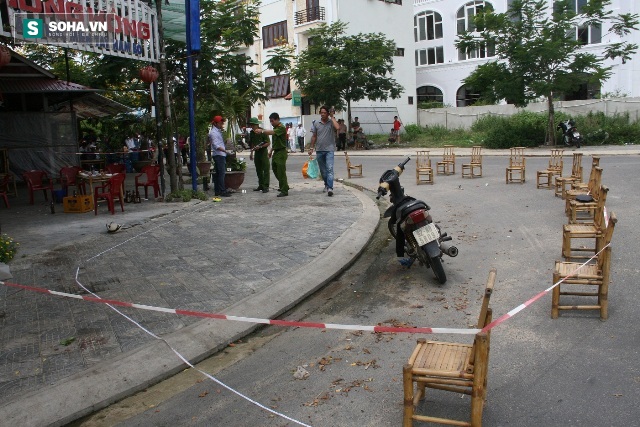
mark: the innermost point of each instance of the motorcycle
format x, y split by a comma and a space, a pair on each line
570, 134
412, 227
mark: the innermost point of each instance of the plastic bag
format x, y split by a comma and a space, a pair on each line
304, 170
313, 170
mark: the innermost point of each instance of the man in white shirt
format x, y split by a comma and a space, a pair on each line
219, 155
300, 133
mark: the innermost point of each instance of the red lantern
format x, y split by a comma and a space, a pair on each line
5, 56
149, 74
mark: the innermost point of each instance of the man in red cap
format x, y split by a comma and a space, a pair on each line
219, 154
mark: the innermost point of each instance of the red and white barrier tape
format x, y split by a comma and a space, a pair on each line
299, 324
276, 322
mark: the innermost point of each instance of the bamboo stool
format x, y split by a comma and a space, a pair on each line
576, 176
589, 275
517, 166
584, 212
544, 178
468, 169
423, 168
353, 171
448, 164
460, 368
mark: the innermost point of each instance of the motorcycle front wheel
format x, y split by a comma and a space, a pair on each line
392, 227
438, 270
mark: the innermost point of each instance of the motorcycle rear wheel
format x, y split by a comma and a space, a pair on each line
438, 270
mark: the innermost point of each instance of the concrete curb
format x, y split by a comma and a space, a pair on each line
94, 389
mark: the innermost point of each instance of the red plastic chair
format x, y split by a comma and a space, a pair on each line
4, 189
69, 178
36, 181
152, 173
110, 191
116, 168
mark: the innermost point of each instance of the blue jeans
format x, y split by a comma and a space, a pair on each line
221, 169
325, 162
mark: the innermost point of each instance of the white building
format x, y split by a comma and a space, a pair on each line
292, 19
441, 68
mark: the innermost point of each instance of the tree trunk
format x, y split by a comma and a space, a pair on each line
551, 129
171, 162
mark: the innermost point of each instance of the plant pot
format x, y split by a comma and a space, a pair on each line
233, 179
204, 168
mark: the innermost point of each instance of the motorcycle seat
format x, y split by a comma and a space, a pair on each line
406, 208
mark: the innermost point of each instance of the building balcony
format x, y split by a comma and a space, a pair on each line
311, 14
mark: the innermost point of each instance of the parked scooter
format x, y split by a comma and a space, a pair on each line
412, 226
570, 134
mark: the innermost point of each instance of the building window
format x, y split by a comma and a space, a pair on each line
429, 94
465, 23
272, 34
430, 56
399, 51
277, 86
466, 96
427, 26
586, 34
410, 100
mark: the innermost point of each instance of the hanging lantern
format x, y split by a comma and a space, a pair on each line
5, 56
149, 74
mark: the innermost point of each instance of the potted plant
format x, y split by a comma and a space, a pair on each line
235, 177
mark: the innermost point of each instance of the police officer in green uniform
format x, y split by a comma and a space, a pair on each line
278, 152
260, 155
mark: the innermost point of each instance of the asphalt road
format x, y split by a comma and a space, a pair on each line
573, 371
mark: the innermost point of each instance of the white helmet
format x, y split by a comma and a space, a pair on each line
113, 227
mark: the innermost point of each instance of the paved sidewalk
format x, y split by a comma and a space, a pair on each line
251, 255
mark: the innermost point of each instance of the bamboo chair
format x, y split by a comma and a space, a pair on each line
595, 180
576, 176
468, 169
517, 166
448, 164
424, 172
582, 212
544, 178
580, 232
589, 275
595, 162
353, 171
460, 368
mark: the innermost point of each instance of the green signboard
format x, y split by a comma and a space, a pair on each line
296, 98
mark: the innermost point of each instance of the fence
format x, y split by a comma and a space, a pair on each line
465, 117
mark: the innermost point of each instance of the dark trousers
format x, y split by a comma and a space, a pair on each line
301, 143
342, 141
218, 178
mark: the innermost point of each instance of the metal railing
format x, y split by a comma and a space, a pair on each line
309, 15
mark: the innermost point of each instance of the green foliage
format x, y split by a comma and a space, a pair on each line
185, 195
236, 164
523, 129
337, 69
431, 104
597, 128
8, 248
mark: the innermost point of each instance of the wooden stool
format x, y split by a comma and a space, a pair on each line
517, 166
424, 173
448, 164
468, 169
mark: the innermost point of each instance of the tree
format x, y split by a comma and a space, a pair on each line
336, 69
538, 53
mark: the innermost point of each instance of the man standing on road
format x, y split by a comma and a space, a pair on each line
278, 152
300, 134
324, 141
219, 154
396, 129
260, 155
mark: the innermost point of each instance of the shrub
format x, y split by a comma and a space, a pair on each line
524, 129
8, 248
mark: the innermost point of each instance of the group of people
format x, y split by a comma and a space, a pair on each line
323, 142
